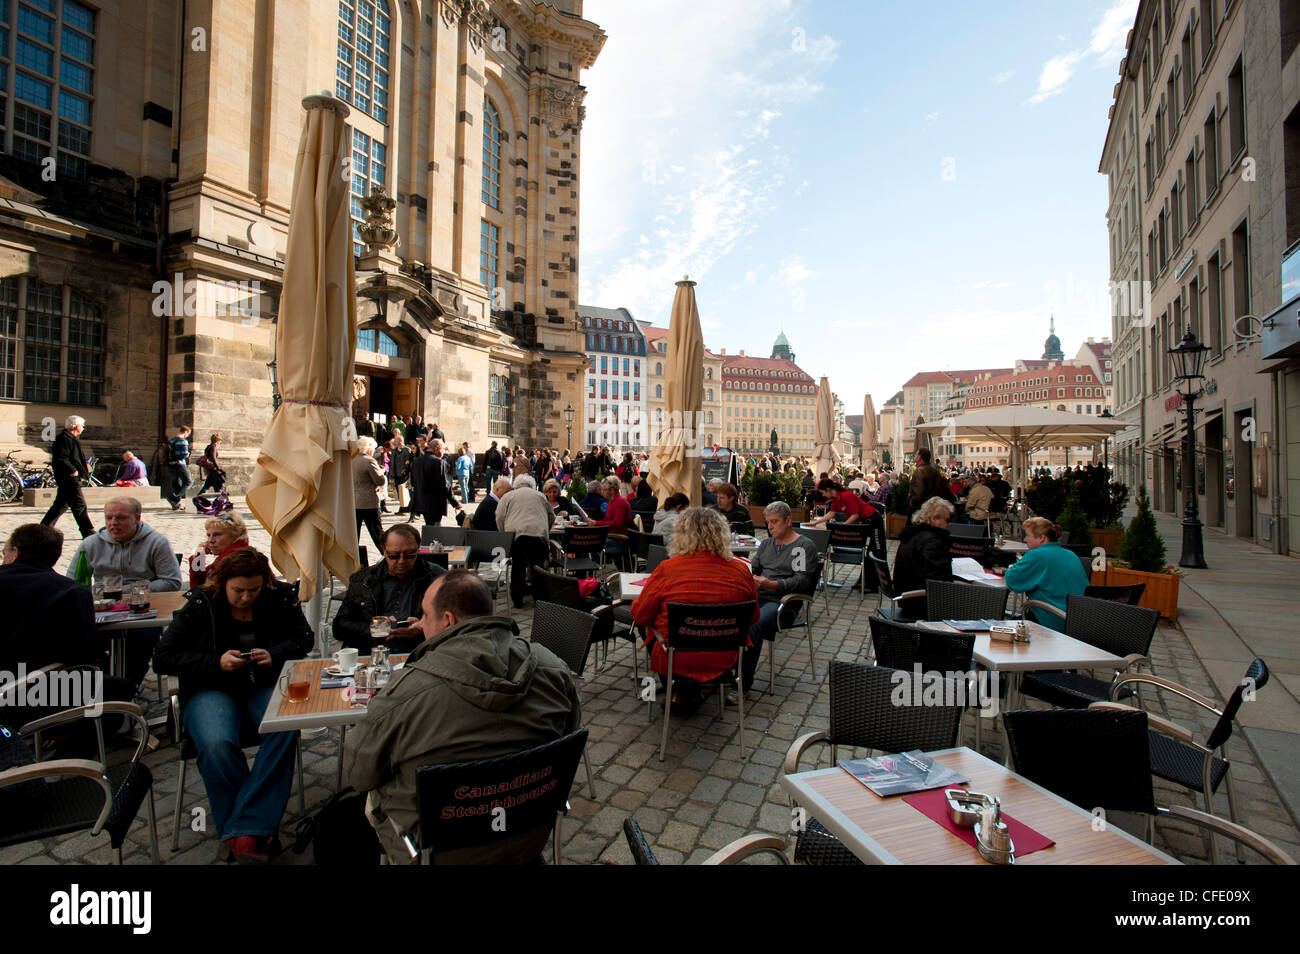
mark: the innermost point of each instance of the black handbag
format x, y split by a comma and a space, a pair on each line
341, 832
14, 753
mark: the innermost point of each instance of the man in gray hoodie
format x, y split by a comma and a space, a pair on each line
474, 689
128, 546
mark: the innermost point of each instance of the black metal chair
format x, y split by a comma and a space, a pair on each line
1117, 628
451, 820
638, 545
1131, 595
821, 538
1094, 758
654, 555
886, 589
568, 633
493, 547
849, 545
581, 550
979, 549
732, 854
787, 619
447, 536
967, 530
564, 590
1175, 754
187, 751
951, 600
863, 714
706, 627
81, 794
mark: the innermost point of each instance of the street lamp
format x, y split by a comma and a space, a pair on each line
1189, 361
568, 426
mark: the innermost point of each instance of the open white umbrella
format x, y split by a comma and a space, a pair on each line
301, 490
825, 458
675, 465
1023, 429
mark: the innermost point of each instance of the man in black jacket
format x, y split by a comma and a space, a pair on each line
492, 464
399, 471
431, 475
485, 514
69, 465
394, 587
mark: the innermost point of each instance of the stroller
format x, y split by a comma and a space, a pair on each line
213, 504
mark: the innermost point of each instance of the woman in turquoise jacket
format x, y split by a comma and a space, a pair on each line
1047, 572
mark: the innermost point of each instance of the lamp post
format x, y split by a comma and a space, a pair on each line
1105, 444
568, 426
1189, 361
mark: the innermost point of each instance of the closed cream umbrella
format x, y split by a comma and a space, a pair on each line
825, 458
301, 490
869, 458
675, 465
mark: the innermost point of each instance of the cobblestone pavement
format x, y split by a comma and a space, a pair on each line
706, 792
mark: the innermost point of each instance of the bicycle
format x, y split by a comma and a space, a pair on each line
17, 476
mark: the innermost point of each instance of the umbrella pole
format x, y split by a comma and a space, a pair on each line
315, 614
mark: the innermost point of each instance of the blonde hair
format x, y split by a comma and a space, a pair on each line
930, 508
549, 484
1042, 527
229, 519
367, 445
699, 529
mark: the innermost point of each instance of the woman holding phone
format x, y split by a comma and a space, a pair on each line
228, 644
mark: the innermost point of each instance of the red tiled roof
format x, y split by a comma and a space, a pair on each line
733, 363
927, 377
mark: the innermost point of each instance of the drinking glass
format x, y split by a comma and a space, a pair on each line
112, 586
138, 596
379, 629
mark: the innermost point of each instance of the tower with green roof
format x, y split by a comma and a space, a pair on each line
781, 347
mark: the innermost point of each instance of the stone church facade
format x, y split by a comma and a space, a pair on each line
145, 179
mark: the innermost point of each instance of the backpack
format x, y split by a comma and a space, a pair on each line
342, 833
211, 505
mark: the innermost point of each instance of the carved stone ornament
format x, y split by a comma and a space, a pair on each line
358, 387
378, 232
562, 107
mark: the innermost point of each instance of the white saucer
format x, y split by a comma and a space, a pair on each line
336, 671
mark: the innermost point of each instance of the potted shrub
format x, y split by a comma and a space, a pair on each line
791, 491
1046, 497
764, 487
1104, 503
896, 507
1074, 521
577, 488
1142, 560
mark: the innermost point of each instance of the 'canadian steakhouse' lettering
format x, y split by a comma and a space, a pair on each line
466, 791
485, 808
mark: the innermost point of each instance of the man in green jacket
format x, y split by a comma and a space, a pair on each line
474, 689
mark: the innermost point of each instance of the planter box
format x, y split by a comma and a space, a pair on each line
1161, 593
894, 524
756, 515
1107, 539
798, 515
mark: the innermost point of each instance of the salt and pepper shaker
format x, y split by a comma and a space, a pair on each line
992, 836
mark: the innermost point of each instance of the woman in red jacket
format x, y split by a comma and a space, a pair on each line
700, 569
841, 501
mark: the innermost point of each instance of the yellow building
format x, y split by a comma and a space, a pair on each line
710, 419
173, 145
760, 395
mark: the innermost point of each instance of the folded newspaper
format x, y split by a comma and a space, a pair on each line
899, 774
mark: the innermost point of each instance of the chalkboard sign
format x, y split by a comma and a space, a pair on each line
720, 464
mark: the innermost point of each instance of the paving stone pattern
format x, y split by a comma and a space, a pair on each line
706, 792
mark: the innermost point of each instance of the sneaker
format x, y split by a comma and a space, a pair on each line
732, 699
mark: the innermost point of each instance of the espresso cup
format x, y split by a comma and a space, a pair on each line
346, 659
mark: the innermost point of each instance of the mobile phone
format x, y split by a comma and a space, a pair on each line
247, 655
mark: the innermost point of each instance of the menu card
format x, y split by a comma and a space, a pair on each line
898, 774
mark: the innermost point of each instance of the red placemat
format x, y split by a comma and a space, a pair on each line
934, 805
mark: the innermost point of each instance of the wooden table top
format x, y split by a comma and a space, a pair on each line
165, 603
322, 707
1047, 649
889, 831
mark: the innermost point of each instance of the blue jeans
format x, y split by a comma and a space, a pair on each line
466, 488
492, 476
764, 629
243, 802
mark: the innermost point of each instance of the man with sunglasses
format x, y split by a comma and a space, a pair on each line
393, 587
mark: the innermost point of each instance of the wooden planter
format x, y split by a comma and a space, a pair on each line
1161, 593
894, 524
797, 514
1107, 539
757, 516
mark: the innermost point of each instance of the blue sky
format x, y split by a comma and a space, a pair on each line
903, 187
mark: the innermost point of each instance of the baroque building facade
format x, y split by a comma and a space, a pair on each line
148, 158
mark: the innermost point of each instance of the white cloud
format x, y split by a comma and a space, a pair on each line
1106, 44
931, 119
1003, 76
792, 271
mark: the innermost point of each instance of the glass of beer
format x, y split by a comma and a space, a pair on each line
138, 596
296, 686
112, 586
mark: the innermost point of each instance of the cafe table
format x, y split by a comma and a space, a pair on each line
630, 585
456, 556
889, 831
164, 605
322, 709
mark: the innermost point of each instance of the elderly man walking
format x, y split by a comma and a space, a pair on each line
69, 465
527, 514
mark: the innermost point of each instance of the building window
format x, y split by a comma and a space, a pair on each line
369, 169
489, 255
361, 73
56, 336
499, 403
53, 67
1236, 111
491, 154
372, 339
659, 391
1210, 155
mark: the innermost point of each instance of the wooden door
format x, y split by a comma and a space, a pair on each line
406, 396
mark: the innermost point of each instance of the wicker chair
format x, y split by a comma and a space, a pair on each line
1119, 629
568, 633
493, 547
902, 646
887, 590
1175, 754
732, 854
945, 600
1092, 757
1131, 595
638, 545
729, 625
849, 545
447, 536
80, 794
437, 786
979, 549
1214, 825
564, 591
654, 555
863, 716
581, 550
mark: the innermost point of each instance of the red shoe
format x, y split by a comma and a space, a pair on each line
245, 850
